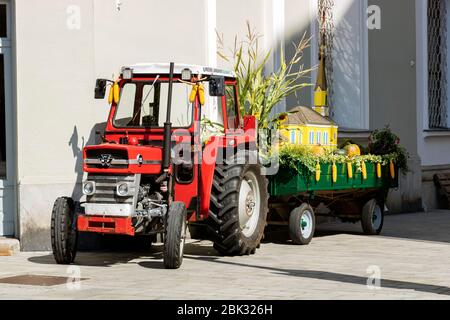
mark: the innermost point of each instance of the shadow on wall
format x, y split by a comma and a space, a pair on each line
86, 240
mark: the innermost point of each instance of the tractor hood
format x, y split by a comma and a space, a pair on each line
124, 159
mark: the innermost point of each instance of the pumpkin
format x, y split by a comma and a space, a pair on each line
352, 150
318, 151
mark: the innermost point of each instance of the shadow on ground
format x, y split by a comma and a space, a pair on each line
336, 277
126, 253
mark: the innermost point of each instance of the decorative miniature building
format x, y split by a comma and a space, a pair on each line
307, 127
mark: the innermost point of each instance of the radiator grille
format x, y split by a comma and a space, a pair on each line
105, 189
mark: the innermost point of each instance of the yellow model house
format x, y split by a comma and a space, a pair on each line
307, 127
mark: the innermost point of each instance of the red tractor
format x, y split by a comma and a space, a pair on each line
156, 173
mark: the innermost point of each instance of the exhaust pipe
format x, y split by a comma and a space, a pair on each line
168, 125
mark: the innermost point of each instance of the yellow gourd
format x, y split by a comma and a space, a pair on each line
318, 172
392, 169
193, 93
334, 171
379, 170
116, 92
318, 151
350, 170
364, 170
201, 94
111, 95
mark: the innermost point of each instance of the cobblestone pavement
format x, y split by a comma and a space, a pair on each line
412, 256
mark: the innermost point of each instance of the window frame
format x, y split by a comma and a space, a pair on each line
125, 82
311, 137
326, 139
293, 137
225, 108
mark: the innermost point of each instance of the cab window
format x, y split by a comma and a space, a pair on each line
231, 107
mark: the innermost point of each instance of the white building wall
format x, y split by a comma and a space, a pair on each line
58, 59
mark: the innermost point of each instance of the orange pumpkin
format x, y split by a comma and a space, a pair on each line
352, 150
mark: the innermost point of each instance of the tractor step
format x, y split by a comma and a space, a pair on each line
110, 225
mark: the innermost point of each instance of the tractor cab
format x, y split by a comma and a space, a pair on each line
170, 130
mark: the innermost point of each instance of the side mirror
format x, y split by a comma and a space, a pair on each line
216, 86
100, 88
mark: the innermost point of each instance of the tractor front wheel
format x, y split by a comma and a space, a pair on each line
239, 206
63, 231
175, 236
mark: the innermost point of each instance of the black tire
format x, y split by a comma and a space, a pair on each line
372, 217
229, 238
302, 224
175, 236
198, 232
64, 235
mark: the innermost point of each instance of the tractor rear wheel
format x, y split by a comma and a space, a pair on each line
175, 236
64, 235
238, 208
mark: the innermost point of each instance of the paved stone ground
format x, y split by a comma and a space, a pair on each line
413, 257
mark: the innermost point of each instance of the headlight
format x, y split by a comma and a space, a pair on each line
122, 189
88, 188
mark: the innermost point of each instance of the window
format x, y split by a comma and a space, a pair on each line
300, 137
343, 28
230, 99
325, 138
311, 137
293, 135
3, 21
142, 105
319, 138
437, 64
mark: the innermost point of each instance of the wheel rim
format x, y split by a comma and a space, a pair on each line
377, 217
306, 224
249, 204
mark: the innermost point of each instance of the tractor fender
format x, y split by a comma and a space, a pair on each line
208, 165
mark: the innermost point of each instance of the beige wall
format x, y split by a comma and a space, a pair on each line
56, 72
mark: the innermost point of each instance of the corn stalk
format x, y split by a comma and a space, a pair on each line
260, 92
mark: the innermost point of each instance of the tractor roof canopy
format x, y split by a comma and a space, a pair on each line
163, 68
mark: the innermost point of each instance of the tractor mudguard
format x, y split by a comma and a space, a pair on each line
208, 166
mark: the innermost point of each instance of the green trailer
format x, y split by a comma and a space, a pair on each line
297, 197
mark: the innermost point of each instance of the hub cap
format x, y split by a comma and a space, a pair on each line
306, 224
376, 217
249, 204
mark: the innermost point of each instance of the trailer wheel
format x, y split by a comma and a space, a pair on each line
64, 235
175, 236
239, 206
372, 217
302, 224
